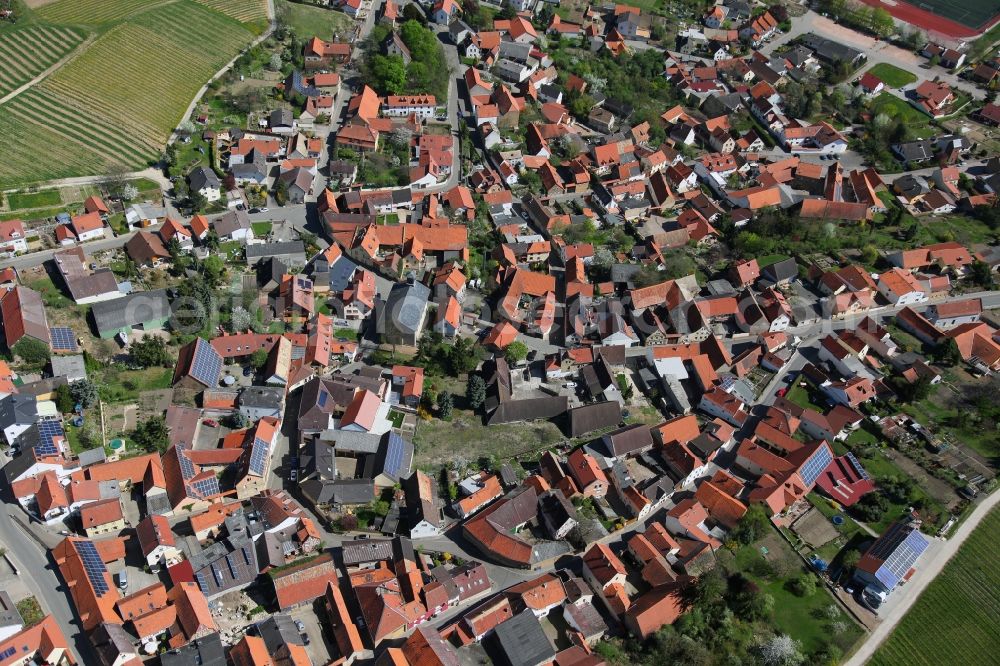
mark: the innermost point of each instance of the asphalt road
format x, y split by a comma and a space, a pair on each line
41, 576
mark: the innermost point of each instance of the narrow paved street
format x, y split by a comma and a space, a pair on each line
41, 576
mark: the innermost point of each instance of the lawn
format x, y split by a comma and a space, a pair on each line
93, 114
42, 199
808, 619
308, 22
893, 76
396, 418
805, 397
955, 620
261, 229
118, 386
769, 259
918, 123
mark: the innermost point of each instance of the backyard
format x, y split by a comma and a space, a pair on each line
814, 619
438, 442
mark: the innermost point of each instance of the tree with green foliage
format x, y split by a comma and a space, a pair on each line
281, 192
389, 74
475, 391
238, 420
871, 507
84, 393
516, 352
882, 23
152, 434
463, 356
981, 275
149, 352
64, 399
803, 585
258, 359
214, 270
31, 350
947, 352
754, 524
446, 404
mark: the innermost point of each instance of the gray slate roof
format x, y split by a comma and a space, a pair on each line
134, 309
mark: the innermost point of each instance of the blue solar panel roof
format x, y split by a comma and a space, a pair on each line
259, 453
93, 565
394, 454
49, 430
63, 339
207, 363
187, 467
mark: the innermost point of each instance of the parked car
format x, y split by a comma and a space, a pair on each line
305, 638
211, 423
300, 626
569, 385
247, 371
782, 391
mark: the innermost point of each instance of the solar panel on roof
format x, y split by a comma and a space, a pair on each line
394, 454
259, 453
207, 364
48, 431
63, 339
93, 565
200, 577
207, 487
217, 574
187, 467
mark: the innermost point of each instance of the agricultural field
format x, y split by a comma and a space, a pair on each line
28, 51
92, 114
244, 11
955, 620
91, 12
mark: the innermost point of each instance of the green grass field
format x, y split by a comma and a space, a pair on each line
42, 199
308, 22
893, 76
28, 51
917, 122
93, 113
955, 620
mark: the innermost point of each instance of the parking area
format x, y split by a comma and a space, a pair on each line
319, 649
